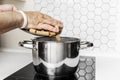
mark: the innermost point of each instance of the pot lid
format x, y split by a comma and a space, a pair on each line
53, 39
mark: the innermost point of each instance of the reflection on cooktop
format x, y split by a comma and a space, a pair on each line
86, 71
70, 77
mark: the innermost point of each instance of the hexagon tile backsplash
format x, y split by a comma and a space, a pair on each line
91, 20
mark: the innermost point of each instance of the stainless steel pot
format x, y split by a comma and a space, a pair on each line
51, 57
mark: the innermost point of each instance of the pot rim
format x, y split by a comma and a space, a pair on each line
53, 39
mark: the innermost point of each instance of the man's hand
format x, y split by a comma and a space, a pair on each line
7, 7
39, 21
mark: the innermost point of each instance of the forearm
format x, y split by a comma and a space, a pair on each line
10, 20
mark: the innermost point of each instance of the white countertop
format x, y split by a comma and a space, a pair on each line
11, 62
107, 66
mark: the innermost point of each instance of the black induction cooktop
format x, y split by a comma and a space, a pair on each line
28, 73
86, 71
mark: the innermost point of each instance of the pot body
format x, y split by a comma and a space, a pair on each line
51, 57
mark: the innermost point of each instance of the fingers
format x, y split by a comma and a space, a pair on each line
54, 23
47, 27
41, 26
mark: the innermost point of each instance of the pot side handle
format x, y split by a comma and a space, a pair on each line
85, 44
26, 43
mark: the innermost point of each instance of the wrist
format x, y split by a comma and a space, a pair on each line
22, 19
19, 19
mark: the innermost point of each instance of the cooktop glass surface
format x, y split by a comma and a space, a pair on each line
86, 71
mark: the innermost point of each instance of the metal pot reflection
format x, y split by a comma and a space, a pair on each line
41, 77
51, 57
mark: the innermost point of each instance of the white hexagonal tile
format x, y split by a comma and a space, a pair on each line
112, 27
98, 3
83, 27
69, 19
91, 1
82, 72
50, 7
76, 23
97, 49
70, 26
63, 15
50, 14
105, 23
57, 3
77, 1
89, 62
89, 69
83, 3
50, 1
70, 33
104, 39
37, 7
103, 47
97, 43
83, 19
83, 35
88, 76
76, 31
70, 11
63, 1
105, 7
93, 73
97, 27
113, 3
57, 17
56, 11
90, 23
43, 3
106, 1
70, 3
98, 11
104, 31
112, 19
82, 65
111, 43
63, 7
44, 10
97, 35
105, 15
91, 15
90, 31
82, 78
83, 11
77, 15
77, 7
90, 38
91, 7
111, 35
98, 19
112, 11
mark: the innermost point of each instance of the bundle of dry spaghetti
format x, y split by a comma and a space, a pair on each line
44, 33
